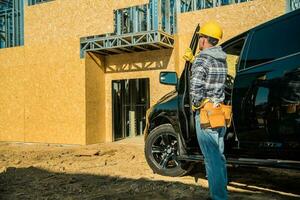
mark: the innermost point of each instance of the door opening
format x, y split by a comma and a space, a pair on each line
130, 101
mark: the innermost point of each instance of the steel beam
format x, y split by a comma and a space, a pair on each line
142, 41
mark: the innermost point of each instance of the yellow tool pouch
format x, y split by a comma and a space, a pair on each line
215, 117
227, 109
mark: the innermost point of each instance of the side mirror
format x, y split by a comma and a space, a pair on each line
168, 78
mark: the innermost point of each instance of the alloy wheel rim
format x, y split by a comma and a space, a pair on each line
164, 151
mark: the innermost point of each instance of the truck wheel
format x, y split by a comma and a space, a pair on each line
161, 151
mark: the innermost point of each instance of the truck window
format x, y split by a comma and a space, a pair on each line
233, 52
274, 41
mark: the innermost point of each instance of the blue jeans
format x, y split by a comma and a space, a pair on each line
211, 142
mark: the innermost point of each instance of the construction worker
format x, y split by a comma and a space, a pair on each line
207, 82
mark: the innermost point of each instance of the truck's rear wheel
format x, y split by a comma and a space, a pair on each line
161, 151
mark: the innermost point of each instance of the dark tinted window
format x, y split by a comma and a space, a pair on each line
274, 41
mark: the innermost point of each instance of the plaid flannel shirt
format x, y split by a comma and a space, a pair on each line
208, 76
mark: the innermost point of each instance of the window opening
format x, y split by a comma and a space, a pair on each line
11, 23
233, 52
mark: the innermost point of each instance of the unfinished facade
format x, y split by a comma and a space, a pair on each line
85, 71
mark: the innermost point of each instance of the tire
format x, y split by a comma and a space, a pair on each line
161, 151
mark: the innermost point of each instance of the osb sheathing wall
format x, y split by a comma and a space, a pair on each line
12, 94
48, 94
234, 19
95, 98
43, 94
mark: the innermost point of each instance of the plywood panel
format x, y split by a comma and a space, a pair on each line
95, 99
12, 56
11, 103
71, 19
55, 104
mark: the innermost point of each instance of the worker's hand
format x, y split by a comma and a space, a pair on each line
188, 55
195, 107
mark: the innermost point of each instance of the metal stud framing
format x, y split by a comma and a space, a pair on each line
292, 5
33, 2
11, 23
135, 26
115, 44
191, 5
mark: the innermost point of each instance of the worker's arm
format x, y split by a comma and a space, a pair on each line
199, 73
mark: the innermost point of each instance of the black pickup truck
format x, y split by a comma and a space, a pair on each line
263, 87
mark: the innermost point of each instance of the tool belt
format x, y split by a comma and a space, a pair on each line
214, 117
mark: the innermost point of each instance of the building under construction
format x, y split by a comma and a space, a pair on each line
85, 71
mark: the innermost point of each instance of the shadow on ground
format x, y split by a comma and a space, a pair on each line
279, 183
35, 183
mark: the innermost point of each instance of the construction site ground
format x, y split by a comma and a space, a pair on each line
119, 170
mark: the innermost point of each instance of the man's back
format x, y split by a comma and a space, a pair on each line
209, 72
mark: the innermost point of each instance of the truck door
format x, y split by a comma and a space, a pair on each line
266, 123
185, 113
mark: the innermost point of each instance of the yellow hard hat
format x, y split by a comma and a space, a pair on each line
212, 29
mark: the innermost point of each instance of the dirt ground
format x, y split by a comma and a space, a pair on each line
119, 171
